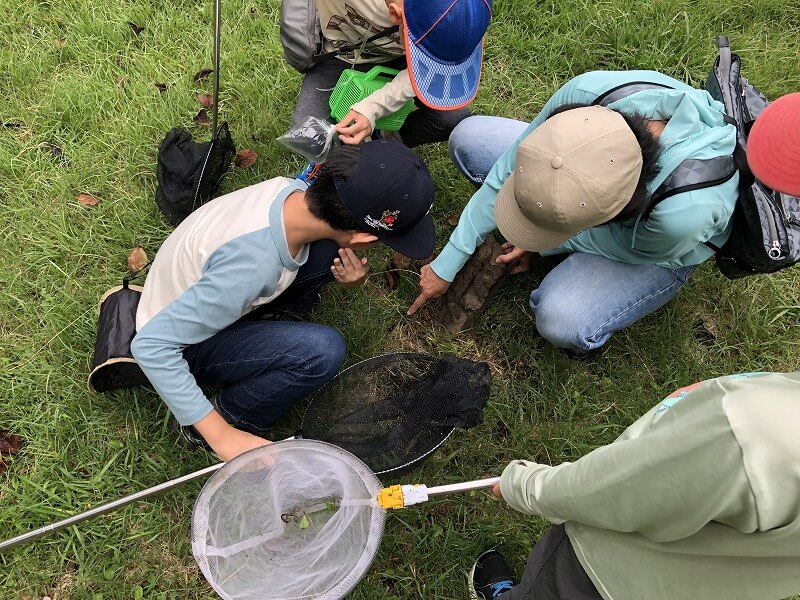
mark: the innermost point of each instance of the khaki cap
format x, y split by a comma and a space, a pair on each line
576, 170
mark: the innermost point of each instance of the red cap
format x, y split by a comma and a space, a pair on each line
773, 146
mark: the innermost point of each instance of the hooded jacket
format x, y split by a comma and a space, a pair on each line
674, 233
698, 499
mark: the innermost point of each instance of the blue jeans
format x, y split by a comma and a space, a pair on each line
264, 367
585, 299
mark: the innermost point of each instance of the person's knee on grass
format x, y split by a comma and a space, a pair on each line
562, 324
311, 356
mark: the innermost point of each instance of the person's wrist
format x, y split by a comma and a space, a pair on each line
213, 428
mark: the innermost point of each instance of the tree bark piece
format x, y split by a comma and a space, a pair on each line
472, 289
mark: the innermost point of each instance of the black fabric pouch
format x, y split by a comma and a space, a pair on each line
113, 365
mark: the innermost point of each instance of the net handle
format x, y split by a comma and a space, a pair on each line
107, 507
110, 506
217, 34
467, 486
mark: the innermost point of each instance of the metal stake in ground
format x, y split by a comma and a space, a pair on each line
189, 173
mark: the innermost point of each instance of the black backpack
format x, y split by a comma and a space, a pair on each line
765, 233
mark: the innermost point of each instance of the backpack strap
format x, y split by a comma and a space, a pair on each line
695, 174
349, 47
625, 90
134, 274
724, 47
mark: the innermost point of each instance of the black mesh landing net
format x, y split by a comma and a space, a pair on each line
393, 411
189, 172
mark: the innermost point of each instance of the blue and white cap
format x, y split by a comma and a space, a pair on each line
444, 49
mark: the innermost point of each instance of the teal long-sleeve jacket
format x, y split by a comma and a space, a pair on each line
674, 234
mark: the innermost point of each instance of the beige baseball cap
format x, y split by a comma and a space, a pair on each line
576, 170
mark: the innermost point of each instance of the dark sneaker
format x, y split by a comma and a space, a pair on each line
585, 356
490, 576
188, 435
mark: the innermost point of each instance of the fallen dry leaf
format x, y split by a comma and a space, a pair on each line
9, 442
246, 158
137, 259
202, 74
201, 118
710, 326
87, 199
162, 87
453, 220
206, 100
707, 330
137, 29
9, 445
399, 261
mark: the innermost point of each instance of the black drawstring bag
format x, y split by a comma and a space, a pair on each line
113, 365
188, 172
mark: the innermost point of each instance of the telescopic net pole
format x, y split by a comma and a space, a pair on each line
106, 508
456, 488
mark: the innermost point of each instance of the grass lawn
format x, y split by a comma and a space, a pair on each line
81, 114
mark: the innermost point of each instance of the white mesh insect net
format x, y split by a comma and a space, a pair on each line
292, 520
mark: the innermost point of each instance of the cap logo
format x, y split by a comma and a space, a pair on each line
386, 221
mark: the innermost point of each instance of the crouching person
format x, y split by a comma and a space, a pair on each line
265, 251
696, 499
583, 179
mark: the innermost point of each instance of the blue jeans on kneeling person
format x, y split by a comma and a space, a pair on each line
265, 367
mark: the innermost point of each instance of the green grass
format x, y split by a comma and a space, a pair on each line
60, 64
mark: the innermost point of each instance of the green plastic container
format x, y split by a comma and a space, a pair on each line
353, 86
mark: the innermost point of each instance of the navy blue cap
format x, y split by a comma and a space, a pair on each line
444, 49
390, 194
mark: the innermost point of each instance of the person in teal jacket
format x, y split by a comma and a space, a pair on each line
625, 260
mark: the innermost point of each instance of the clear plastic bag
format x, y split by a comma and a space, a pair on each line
313, 139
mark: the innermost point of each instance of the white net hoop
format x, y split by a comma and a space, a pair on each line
293, 520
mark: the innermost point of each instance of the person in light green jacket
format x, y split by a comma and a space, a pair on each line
699, 500
571, 184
